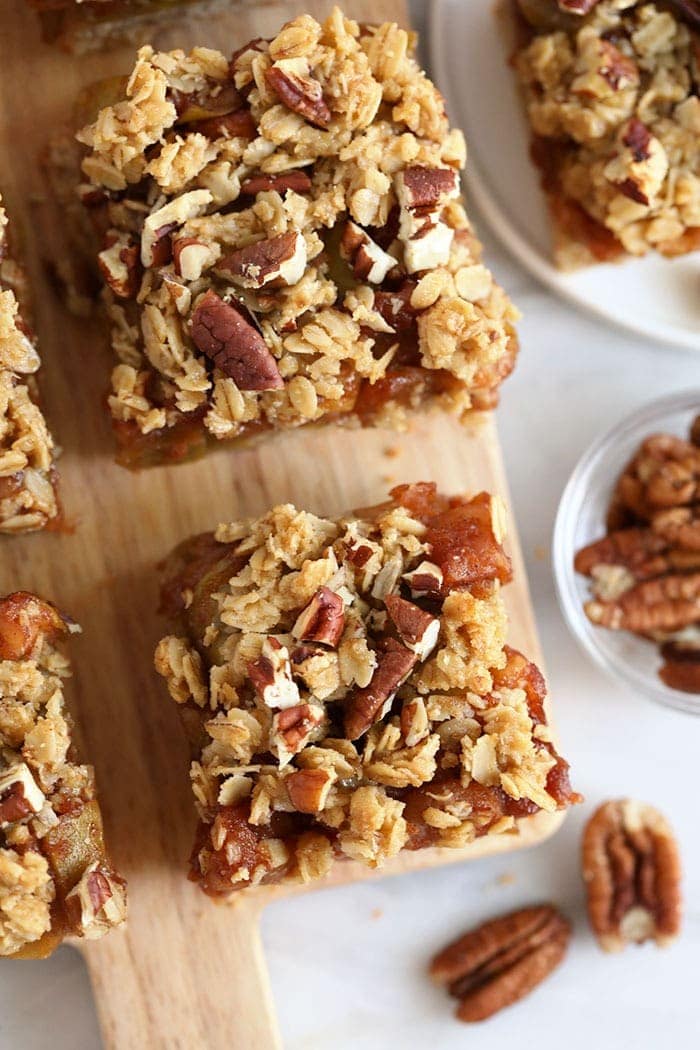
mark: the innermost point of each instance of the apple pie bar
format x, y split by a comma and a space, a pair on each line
28, 492
611, 90
283, 243
55, 877
348, 690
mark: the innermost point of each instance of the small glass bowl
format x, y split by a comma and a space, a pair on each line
581, 520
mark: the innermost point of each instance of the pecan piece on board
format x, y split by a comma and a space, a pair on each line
632, 870
223, 334
502, 961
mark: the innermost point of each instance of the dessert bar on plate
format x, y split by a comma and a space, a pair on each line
611, 92
348, 690
283, 243
28, 483
55, 877
87, 25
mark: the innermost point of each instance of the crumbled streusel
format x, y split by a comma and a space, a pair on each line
612, 97
284, 243
28, 499
348, 689
55, 878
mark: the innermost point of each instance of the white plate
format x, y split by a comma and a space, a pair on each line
655, 297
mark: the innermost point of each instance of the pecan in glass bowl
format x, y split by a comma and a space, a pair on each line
588, 513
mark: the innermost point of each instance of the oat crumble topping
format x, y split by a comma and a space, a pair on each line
612, 98
348, 690
55, 878
28, 499
283, 242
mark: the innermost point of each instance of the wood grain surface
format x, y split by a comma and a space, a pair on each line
185, 972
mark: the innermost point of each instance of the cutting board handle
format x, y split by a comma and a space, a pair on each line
155, 987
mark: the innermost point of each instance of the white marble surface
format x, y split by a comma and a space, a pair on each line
347, 965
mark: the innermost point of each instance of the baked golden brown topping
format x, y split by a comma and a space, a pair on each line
28, 499
348, 691
611, 91
502, 961
55, 877
632, 871
283, 242
645, 572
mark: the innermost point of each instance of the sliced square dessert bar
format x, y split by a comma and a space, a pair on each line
283, 243
55, 877
28, 492
611, 89
348, 690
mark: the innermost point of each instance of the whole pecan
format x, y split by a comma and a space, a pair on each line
502, 961
631, 867
223, 334
665, 603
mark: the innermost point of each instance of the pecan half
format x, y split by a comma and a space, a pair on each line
223, 334
679, 526
323, 619
297, 181
682, 668
364, 706
292, 82
281, 258
502, 961
666, 603
631, 867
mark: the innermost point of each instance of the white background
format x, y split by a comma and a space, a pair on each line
348, 965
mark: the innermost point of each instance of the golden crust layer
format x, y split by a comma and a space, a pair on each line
28, 499
613, 102
301, 202
348, 690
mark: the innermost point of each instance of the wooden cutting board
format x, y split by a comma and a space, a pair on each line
186, 972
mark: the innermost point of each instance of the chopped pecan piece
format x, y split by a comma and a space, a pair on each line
502, 961
632, 871
291, 80
422, 187
120, 266
20, 795
221, 332
297, 181
190, 256
323, 619
425, 579
281, 258
97, 902
271, 675
292, 729
365, 706
308, 789
369, 262
231, 125
418, 630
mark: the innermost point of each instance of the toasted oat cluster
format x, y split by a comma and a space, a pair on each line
28, 499
348, 691
283, 243
55, 878
88, 25
611, 89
